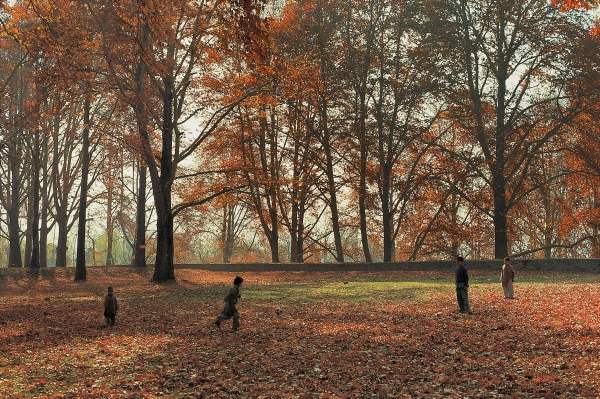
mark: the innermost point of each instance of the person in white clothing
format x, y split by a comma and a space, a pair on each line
507, 277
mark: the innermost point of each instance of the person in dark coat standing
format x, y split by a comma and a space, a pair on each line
229, 310
462, 286
111, 307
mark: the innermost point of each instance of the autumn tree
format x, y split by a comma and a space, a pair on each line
331, 130
14, 92
171, 45
509, 66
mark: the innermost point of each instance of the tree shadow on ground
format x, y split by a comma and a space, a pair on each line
536, 346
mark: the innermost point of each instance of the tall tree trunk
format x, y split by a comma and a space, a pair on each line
549, 226
139, 258
596, 243
17, 94
362, 188
388, 234
224, 221
163, 266
273, 187
499, 179
61, 244
29, 226
35, 203
80, 268
500, 218
93, 251
60, 197
140, 231
294, 225
109, 220
274, 234
300, 230
596, 231
547, 253
224, 231
228, 232
500, 222
333, 203
14, 252
361, 67
324, 68
44, 234
274, 244
297, 222
44, 209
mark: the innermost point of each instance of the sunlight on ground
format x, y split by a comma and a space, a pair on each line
303, 335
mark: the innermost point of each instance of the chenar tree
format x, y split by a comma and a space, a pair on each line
13, 114
167, 53
309, 51
61, 33
583, 145
510, 66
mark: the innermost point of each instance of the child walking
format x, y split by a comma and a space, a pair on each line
229, 310
110, 307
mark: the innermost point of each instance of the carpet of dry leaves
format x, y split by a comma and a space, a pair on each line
338, 335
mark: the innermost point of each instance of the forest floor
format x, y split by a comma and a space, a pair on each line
338, 335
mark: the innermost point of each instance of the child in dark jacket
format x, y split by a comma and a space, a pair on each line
110, 307
229, 310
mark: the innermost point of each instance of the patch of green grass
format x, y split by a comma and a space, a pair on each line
370, 288
353, 291
320, 291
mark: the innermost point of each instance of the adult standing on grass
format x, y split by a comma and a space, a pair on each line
507, 277
462, 285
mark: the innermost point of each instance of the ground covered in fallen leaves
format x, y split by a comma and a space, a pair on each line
337, 335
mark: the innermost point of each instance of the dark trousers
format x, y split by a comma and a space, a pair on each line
228, 313
110, 319
462, 297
